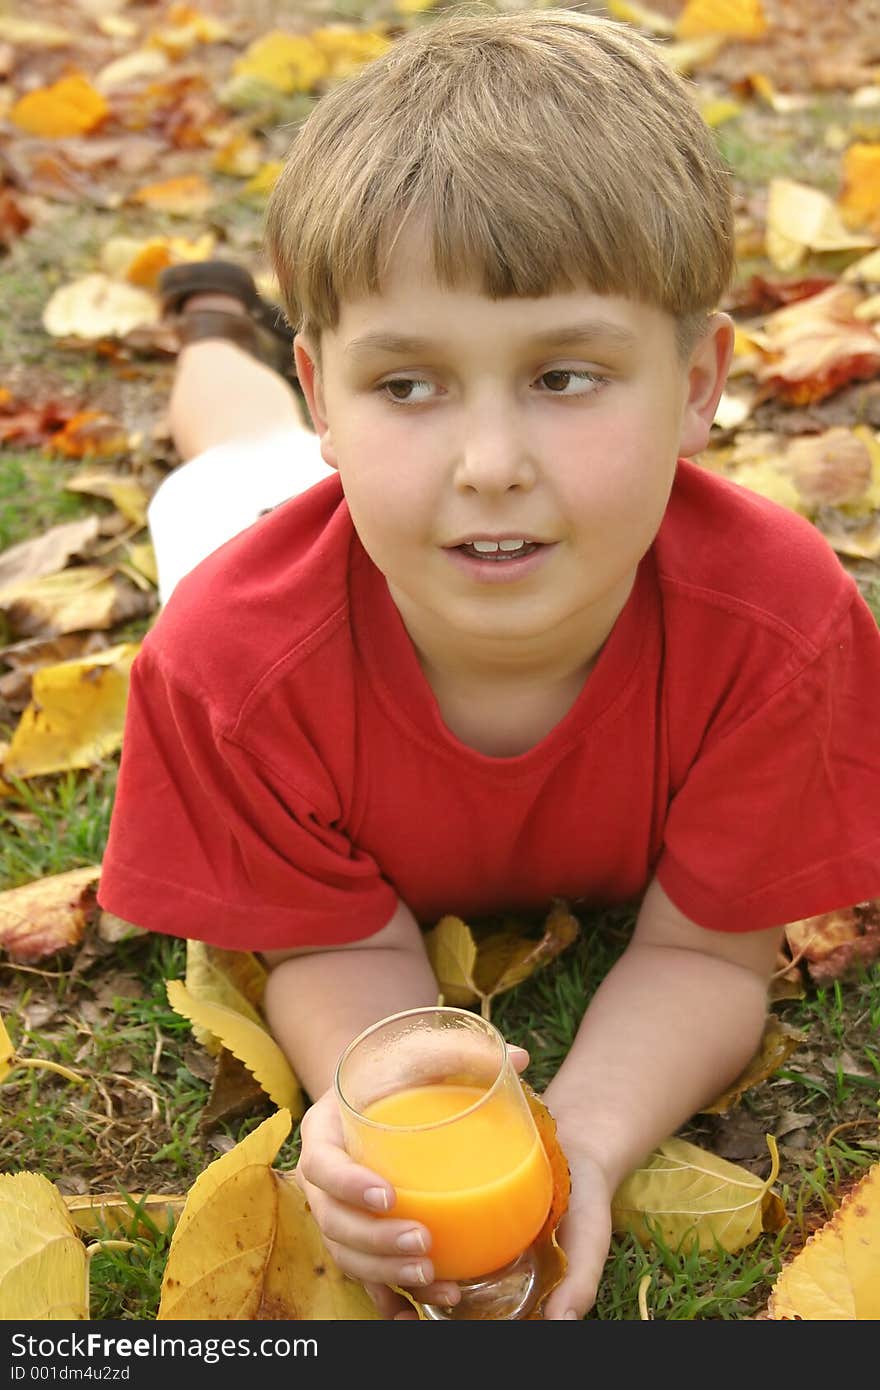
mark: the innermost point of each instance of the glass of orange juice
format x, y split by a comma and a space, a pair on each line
431, 1102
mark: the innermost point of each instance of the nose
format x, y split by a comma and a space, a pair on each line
494, 456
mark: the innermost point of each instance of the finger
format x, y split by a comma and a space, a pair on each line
414, 1275
325, 1165
519, 1057
390, 1304
584, 1234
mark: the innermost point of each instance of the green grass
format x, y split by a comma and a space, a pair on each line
33, 497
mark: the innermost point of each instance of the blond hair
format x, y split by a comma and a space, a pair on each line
548, 150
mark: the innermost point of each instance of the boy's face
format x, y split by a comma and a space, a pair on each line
483, 432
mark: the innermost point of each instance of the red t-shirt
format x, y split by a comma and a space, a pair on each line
286, 773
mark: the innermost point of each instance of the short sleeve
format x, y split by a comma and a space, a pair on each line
207, 841
779, 819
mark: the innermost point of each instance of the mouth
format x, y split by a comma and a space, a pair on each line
504, 555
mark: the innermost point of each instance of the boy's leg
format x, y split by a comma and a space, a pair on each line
241, 432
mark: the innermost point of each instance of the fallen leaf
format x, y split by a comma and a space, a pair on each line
452, 952
189, 195
85, 596
505, 960
29, 656
741, 19
48, 553
235, 979
7, 1051
76, 715
642, 16
96, 1213
45, 916
816, 346
694, 1198
18, 30
143, 64
836, 1277
250, 1042
779, 1040
70, 106
247, 1248
97, 307
235, 1092
860, 197
832, 469
127, 495
89, 433
802, 219
43, 1263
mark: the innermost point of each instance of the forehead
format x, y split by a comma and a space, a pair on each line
413, 309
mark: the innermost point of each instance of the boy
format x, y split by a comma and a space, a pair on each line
515, 644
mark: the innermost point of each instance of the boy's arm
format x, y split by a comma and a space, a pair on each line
318, 999
677, 1018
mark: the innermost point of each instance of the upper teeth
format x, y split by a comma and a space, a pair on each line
489, 546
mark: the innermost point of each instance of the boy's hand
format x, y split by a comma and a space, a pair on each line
348, 1202
584, 1234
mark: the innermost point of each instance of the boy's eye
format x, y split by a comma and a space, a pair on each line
557, 379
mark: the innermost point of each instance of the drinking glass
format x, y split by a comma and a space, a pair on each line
430, 1101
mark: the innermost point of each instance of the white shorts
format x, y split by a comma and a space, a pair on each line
209, 499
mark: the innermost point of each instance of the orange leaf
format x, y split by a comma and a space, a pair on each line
90, 433
48, 915
816, 346
70, 106
860, 199
187, 195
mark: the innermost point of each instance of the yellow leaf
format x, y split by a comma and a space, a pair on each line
97, 307
265, 179
688, 54
14, 29
235, 979
247, 1041
694, 1197
70, 106
802, 219
143, 558
246, 1247
778, 1042
836, 1277
43, 1263
7, 1051
413, 6
860, 199
142, 262
76, 714
741, 19
286, 62
452, 952
74, 600
127, 495
98, 1212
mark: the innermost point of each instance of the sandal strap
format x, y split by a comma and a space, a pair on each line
178, 282
199, 324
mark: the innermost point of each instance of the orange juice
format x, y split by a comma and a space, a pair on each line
480, 1182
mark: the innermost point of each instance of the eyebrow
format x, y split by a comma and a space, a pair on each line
589, 330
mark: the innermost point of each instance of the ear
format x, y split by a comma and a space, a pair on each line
706, 374
309, 375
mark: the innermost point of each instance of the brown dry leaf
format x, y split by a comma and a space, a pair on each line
48, 915
234, 979
250, 1042
76, 715
95, 1213
246, 1247
127, 495
779, 1040
860, 198
96, 307
89, 432
816, 346
505, 959
70, 106
802, 219
741, 19
469, 968
836, 1277
189, 195
47, 554
835, 943
695, 1199
44, 1269
84, 597
235, 1092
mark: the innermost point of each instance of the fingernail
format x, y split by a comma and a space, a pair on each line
377, 1197
412, 1241
413, 1274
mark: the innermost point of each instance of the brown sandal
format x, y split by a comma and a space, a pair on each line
261, 331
